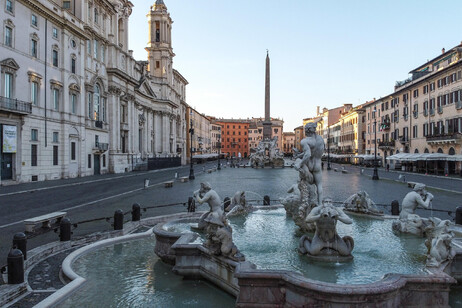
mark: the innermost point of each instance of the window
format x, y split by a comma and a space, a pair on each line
55, 97
73, 65
34, 134
89, 160
103, 112
96, 104
33, 48
96, 16
33, 155
55, 58
9, 6
73, 151
66, 4
9, 36
425, 89
416, 93
95, 49
89, 105
432, 86
34, 93
55, 137
73, 103
414, 131
103, 53
89, 47
104, 160
55, 155
34, 20
8, 89
55, 32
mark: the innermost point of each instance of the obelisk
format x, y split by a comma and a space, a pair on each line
267, 122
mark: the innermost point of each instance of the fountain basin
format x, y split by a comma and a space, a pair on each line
275, 284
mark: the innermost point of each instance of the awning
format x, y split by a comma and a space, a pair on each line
424, 156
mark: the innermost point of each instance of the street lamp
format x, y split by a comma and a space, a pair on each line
375, 176
191, 131
219, 150
328, 149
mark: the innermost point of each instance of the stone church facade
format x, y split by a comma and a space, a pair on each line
73, 100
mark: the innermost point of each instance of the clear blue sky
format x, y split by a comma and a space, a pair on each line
324, 53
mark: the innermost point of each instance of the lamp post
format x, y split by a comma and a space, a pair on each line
328, 149
375, 176
219, 150
191, 131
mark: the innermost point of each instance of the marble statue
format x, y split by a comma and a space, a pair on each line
238, 205
267, 154
307, 193
216, 212
326, 242
409, 222
218, 232
361, 203
309, 165
439, 243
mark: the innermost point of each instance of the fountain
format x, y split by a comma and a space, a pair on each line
283, 267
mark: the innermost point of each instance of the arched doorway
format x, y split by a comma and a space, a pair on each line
440, 150
426, 150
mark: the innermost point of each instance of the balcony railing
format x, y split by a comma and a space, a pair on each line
15, 105
102, 147
449, 137
404, 139
386, 144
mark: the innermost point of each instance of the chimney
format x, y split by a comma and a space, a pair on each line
317, 110
443, 50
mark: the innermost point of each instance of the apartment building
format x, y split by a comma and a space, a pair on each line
288, 143
202, 130
256, 131
234, 137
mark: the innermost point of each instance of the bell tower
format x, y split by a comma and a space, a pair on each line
160, 52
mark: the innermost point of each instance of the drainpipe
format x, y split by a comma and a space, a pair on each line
46, 80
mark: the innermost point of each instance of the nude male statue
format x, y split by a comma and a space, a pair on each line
310, 163
418, 197
216, 213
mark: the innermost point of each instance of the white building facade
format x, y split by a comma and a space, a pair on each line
73, 100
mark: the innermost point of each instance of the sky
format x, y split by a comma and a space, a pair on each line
323, 53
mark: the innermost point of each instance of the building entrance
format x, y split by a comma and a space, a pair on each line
6, 160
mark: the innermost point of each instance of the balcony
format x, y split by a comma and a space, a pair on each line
404, 140
444, 138
15, 106
100, 147
405, 117
385, 125
386, 145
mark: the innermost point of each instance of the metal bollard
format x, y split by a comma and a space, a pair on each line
191, 205
20, 242
65, 230
266, 200
459, 215
118, 220
136, 212
15, 266
395, 208
146, 183
226, 202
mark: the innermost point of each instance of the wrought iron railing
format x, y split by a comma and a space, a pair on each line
15, 105
102, 146
444, 137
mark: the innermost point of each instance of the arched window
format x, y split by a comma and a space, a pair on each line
440, 150
452, 151
426, 151
96, 103
416, 151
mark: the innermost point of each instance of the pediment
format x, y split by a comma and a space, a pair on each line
10, 63
145, 88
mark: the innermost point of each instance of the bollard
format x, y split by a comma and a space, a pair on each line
395, 208
191, 205
459, 215
136, 212
266, 200
65, 230
15, 266
146, 183
118, 220
20, 242
226, 202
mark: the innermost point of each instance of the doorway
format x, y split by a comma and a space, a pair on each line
96, 164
